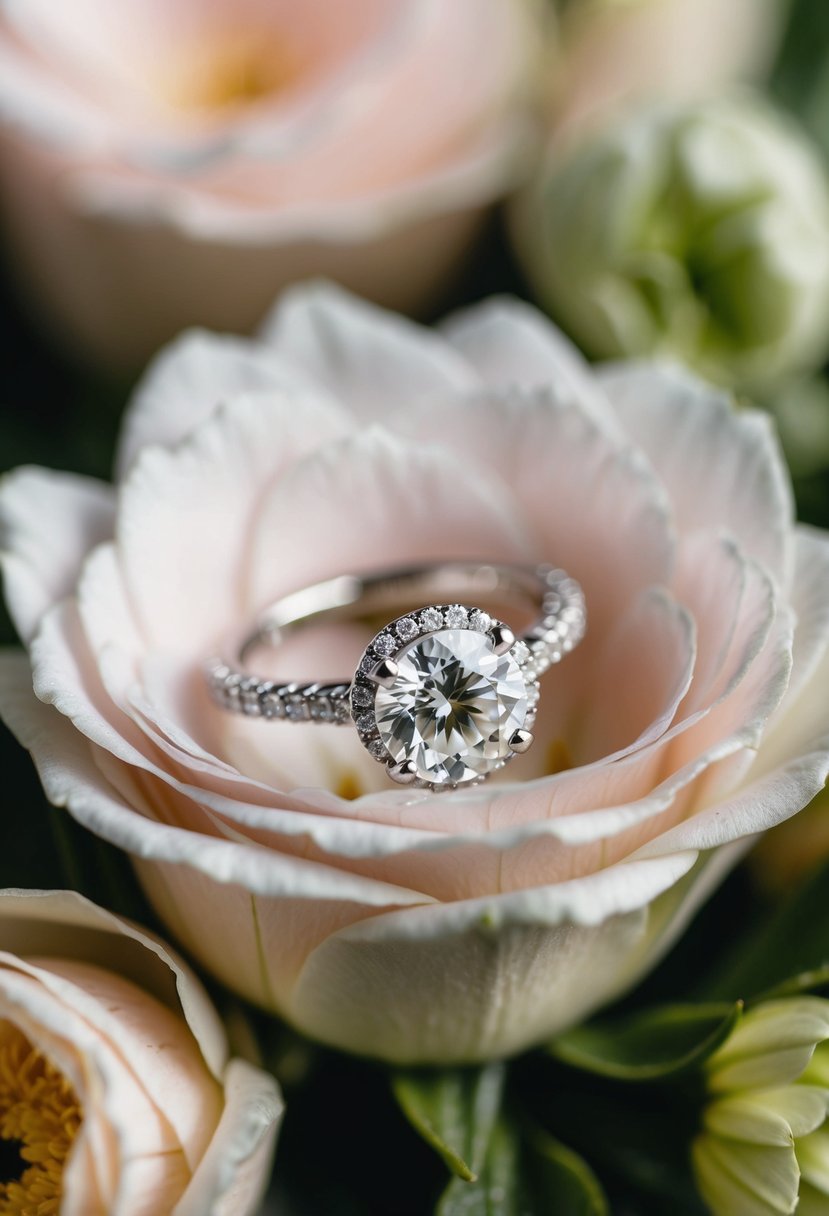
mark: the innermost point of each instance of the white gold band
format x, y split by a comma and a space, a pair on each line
555, 599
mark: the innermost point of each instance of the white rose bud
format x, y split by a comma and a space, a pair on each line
764, 1147
700, 232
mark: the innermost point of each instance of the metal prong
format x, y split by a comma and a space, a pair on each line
384, 673
502, 638
520, 741
403, 773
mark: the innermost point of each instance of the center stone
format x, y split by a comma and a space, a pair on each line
452, 707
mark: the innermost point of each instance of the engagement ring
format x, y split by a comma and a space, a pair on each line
443, 696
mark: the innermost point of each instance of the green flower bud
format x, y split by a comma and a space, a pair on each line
764, 1144
700, 232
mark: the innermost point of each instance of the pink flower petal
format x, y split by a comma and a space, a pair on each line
723, 468
188, 380
372, 360
511, 345
407, 503
48, 523
182, 514
593, 503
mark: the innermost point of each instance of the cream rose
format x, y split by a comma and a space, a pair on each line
613, 50
419, 926
164, 165
114, 1073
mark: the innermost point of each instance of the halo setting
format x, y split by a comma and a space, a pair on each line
449, 703
443, 697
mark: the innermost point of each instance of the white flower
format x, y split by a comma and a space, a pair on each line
409, 925
764, 1148
700, 231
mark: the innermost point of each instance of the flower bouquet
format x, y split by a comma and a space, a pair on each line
425, 676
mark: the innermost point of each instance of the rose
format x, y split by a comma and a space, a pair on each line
115, 1075
418, 926
166, 165
612, 50
697, 230
764, 1144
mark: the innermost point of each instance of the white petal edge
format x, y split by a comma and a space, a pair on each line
68, 924
188, 379
234, 1171
48, 523
511, 344
372, 359
694, 436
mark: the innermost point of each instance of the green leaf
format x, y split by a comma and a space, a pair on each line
650, 1045
791, 941
797, 985
454, 1110
528, 1174
499, 1191
563, 1180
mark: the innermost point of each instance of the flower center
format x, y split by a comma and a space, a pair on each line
39, 1119
230, 72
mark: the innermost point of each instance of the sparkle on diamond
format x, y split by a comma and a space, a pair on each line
452, 707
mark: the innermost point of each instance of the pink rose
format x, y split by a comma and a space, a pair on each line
409, 925
116, 1079
170, 164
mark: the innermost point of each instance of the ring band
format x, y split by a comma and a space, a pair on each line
444, 695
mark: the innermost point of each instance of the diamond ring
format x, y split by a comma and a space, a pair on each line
443, 696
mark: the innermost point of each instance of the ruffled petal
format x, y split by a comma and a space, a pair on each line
374, 361
48, 523
723, 468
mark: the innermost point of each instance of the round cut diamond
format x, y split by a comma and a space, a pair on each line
452, 707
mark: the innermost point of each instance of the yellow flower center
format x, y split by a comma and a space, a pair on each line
39, 1118
228, 73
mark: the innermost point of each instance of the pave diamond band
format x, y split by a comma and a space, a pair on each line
444, 695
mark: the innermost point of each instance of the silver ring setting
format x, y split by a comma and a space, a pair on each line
443, 696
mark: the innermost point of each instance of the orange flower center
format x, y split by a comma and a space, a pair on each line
230, 72
39, 1118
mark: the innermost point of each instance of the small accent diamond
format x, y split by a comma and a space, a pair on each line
362, 696
378, 749
407, 629
431, 618
365, 722
385, 644
480, 621
521, 652
272, 705
456, 617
